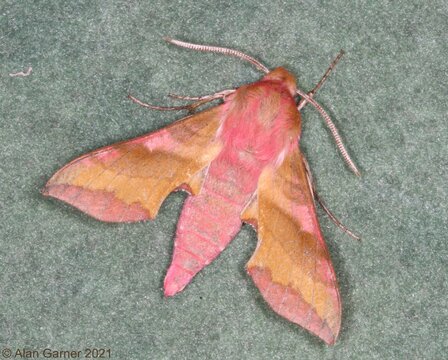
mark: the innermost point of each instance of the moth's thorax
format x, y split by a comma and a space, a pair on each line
284, 77
260, 120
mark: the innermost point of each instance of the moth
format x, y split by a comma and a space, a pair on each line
240, 162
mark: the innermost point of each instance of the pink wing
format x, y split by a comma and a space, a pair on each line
128, 181
291, 265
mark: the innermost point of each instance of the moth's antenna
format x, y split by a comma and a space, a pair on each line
333, 130
220, 50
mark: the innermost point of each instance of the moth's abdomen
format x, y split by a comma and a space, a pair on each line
208, 222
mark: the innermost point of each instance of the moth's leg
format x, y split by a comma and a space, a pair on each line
303, 102
162, 108
319, 200
219, 95
198, 101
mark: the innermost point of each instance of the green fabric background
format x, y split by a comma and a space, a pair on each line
69, 282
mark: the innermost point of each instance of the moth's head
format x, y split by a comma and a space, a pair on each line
285, 77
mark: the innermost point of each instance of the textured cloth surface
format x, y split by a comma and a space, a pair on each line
68, 282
